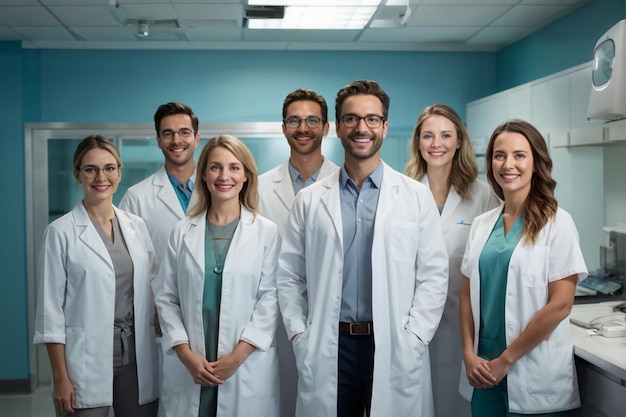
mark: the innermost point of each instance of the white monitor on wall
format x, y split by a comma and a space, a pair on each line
607, 100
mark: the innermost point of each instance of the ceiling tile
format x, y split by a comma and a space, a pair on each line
502, 35
85, 15
27, 16
325, 35
150, 11
213, 35
527, 15
455, 15
420, 34
55, 33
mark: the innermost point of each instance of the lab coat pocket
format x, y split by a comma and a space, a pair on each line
406, 364
403, 239
304, 359
534, 266
549, 368
75, 358
258, 375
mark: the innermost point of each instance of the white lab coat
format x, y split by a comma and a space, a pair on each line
409, 285
276, 192
544, 380
155, 201
248, 311
76, 303
275, 200
445, 349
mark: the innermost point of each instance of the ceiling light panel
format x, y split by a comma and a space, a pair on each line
317, 18
314, 3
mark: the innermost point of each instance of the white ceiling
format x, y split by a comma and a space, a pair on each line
434, 25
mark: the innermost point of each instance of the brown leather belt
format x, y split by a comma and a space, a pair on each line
357, 329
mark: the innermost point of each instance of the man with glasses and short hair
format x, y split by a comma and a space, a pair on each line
162, 198
363, 276
305, 123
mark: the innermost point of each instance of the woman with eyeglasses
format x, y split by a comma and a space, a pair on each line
95, 306
216, 295
442, 158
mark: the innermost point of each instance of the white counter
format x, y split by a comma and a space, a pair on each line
608, 354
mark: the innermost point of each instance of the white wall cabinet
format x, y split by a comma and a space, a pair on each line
557, 107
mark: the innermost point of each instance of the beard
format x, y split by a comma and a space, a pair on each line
361, 153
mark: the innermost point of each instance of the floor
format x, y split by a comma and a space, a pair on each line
37, 404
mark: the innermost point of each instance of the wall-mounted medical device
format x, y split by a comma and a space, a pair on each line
607, 100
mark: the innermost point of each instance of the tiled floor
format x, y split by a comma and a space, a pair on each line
37, 404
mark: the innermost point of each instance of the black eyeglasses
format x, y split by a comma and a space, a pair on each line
372, 120
91, 172
293, 122
183, 133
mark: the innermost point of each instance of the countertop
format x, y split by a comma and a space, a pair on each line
608, 354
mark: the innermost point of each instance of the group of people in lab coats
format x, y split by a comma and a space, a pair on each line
314, 290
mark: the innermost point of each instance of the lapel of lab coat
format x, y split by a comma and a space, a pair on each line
88, 234
387, 196
165, 192
331, 201
194, 239
283, 187
452, 201
241, 236
133, 242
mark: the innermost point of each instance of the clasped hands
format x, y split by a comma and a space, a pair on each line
208, 373
484, 374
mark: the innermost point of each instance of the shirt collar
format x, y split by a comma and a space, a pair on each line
376, 177
178, 183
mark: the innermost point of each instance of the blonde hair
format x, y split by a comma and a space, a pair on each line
249, 194
94, 142
464, 169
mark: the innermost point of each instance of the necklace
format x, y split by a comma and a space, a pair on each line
220, 237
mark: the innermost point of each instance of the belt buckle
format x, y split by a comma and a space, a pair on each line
369, 329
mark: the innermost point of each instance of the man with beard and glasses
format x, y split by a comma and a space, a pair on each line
363, 276
305, 123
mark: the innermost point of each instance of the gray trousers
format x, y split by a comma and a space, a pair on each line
125, 398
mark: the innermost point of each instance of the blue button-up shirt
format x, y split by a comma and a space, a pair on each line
358, 212
298, 182
182, 192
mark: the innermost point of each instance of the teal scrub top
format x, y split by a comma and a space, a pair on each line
493, 267
216, 247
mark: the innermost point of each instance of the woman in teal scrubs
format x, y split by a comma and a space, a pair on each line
520, 271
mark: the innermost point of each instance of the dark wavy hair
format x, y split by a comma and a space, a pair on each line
541, 205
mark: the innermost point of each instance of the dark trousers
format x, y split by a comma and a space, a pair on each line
356, 369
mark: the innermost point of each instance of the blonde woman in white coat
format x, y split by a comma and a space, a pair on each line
94, 301
216, 295
442, 158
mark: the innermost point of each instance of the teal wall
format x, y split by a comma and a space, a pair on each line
13, 290
113, 86
565, 43
89, 86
